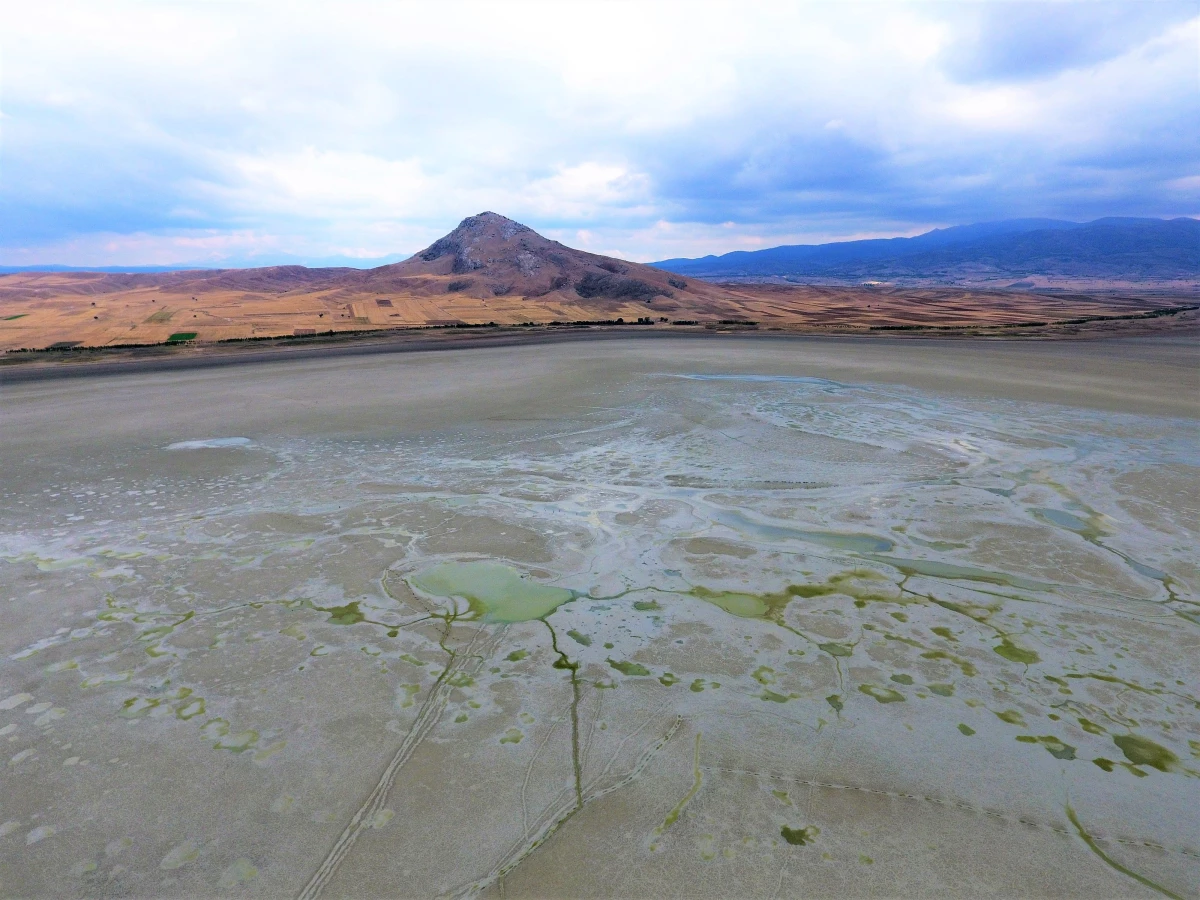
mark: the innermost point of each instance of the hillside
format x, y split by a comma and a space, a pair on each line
488, 270
1124, 250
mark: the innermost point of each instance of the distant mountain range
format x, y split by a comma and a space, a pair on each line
1117, 248
1031, 252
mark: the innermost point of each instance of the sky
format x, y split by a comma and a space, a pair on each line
230, 133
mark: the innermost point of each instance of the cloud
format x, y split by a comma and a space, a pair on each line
1024, 40
366, 129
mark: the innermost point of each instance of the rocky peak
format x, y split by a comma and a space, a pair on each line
490, 224
500, 257
470, 237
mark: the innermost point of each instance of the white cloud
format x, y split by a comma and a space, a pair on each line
317, 183
339, 128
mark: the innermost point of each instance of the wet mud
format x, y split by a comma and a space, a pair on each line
511, 625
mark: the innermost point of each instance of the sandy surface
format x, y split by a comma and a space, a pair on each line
831, 617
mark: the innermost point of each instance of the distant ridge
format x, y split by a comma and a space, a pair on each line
487, 256
492, 272
1123, 248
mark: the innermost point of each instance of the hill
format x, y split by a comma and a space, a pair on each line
1112, 249
491, 270
489, 255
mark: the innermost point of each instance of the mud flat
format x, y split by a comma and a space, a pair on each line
623, 618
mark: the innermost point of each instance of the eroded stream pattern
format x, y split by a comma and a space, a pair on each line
729, 636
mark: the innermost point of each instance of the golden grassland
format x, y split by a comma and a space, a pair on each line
40, 310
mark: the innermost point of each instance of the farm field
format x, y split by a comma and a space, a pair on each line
39, 310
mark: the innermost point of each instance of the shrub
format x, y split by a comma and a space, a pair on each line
593, 284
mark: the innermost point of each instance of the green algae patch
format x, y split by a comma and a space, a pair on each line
349, 614
628, 668
135, 707
902, 679
1056, 747
1144, 752
646, 605
1062, 685
943, 632
1090, 727
406, 693
668, 678
837, 649
579, 638
1013, 653
512, 736
240, 872
191, 709
835, 701
764, 675
770, 695
966, 729
950, 572
744, 606
1088, 529
771, 605
1011, 716
1112, 679
882, 694
799, 837
495, 593
517, 655
1109, 861
942, 690
697, 781
243, 740
970, 610
1105, 764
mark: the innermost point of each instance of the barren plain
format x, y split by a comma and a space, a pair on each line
40, 310
492, 270
622, 618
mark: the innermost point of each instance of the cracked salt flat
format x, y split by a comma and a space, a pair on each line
778, 636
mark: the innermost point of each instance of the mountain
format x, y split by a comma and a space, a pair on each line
486, 258
1121, 248
492, 271
489, 255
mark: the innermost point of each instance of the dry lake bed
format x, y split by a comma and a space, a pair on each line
633, 618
